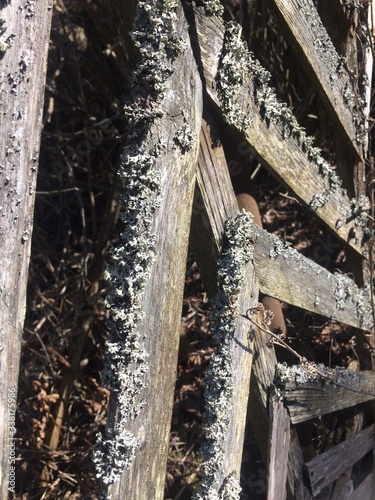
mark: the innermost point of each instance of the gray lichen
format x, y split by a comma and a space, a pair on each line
239, 69
343, 291
185, 138
158, 44
311, 373
127, 276
279, 248
5, 40
126, 357
334, 64
234, 65
356, 212
213, 7
236, 252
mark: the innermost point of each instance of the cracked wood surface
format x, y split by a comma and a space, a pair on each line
23, 62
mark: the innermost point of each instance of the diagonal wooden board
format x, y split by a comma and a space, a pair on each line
276, 140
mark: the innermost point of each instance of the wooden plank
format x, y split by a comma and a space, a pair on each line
296, 484
25, 29
365, 490
287, 275
238, 87
282, 272
264, 372
146, 276
308, 395
214, 203
325, 68
218, 200
278, 451
328, 466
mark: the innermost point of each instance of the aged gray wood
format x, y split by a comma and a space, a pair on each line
312, 399
328, 73
282, 272
277, 150
214, 203
365, 489
328, 466
23, 58
264, 373
287, 275
279, 440
162, 305
296, 486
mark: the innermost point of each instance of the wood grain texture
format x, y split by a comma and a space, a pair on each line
287, 275
313, 399
281, 154
263, 377
278, 451
323, 65
215, 202
365, 489
328, 466
23, 70
162, 303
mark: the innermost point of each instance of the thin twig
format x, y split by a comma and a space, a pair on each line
312, 367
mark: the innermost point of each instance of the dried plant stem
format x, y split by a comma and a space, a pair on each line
309, 366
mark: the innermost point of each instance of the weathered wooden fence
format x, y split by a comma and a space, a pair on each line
195, 74
25, 29
193, 79
212, 80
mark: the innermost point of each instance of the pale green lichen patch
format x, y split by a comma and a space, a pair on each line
239, 72
185, 138
237, 251
311, 373
128, 274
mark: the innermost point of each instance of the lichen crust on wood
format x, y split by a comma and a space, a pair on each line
320, 374
239, 86
339, 294
329, 67
126, 364
237, 251
237, 64
213, 7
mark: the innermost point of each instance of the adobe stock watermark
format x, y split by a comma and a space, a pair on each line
12, 406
